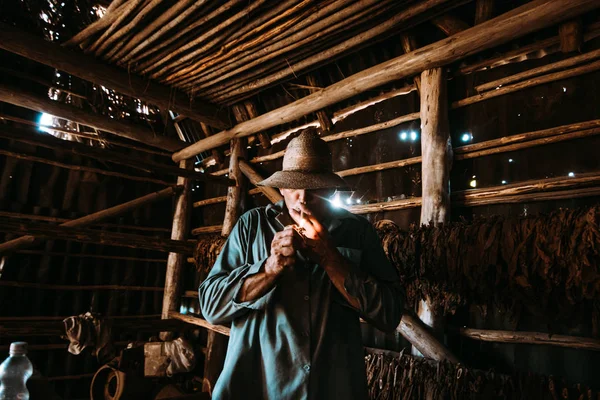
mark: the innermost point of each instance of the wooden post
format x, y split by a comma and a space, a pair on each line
516, 23
14, 95
324, 120
25, 241
571, 36
176, 261
216, 344
436, 150
484, 10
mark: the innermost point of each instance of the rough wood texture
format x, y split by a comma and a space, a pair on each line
94, 236
571, 36
573, 342
222, 199
207, 229
223, 330
322, 116
254, 177
34, 102
450, 24
176, 261
25, 241
422, 339
88, 68
265, 140
436, 147
344, 112
559, 65
484, 10
409, 44
516, 23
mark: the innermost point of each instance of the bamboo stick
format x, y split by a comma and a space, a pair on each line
379, 167
307, 32
100, 171
165, 22
88, 68
185, 53
254, 177
176, 261
122, 14
497, 336
403, 18
43, 286
570, 62
522, 20
536, 81
120, 128
313, 18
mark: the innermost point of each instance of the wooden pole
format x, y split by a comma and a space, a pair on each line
216, 345
207, 229
43, 286
484, 10
571, 36
176, 261
37, 103
324, 120
516, 23
436, 163
272, 194
91, 219
450, 24
573, 342
252, 112
88, 68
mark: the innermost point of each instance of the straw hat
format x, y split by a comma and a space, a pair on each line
306, 165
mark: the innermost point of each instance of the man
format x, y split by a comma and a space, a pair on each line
294, 291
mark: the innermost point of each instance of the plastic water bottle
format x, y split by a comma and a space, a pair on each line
14, 372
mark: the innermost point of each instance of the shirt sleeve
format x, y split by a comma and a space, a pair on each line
218, 292
376, 285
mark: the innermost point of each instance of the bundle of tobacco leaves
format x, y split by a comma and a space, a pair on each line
549, 264
206, 252
406, 377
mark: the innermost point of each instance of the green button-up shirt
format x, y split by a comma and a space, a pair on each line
301, 340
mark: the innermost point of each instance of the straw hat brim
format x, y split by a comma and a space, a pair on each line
304, 180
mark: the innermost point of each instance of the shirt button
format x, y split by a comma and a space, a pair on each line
306, 298
307, 368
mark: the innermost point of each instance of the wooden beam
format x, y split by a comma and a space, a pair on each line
176, 261
254, 177
38, 103
484, 10
409, 44
252, 112
90, 69
223, 330
574, 342
203, 230
43, 286
571, 36
324, 120
55, 232
25, 241
516, 23
450, 24
29, 157
58, 318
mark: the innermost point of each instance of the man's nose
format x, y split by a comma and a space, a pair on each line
302, 196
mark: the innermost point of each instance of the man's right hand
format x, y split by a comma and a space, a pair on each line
283, 252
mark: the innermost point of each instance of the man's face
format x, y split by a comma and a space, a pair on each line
313, 202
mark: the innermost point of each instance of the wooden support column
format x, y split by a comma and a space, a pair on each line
26, 241
324, 120
216, 345
570, 34
409, 43
176, 261
252, 112
436, 150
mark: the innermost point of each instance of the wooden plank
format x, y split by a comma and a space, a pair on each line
518, 22
47, 231
25, 241
89, 68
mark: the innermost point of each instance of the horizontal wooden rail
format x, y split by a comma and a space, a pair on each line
202, 230
498, 336
45, 286
60, 318
222, 199
95, 256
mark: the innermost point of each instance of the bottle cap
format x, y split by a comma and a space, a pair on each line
18, 348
